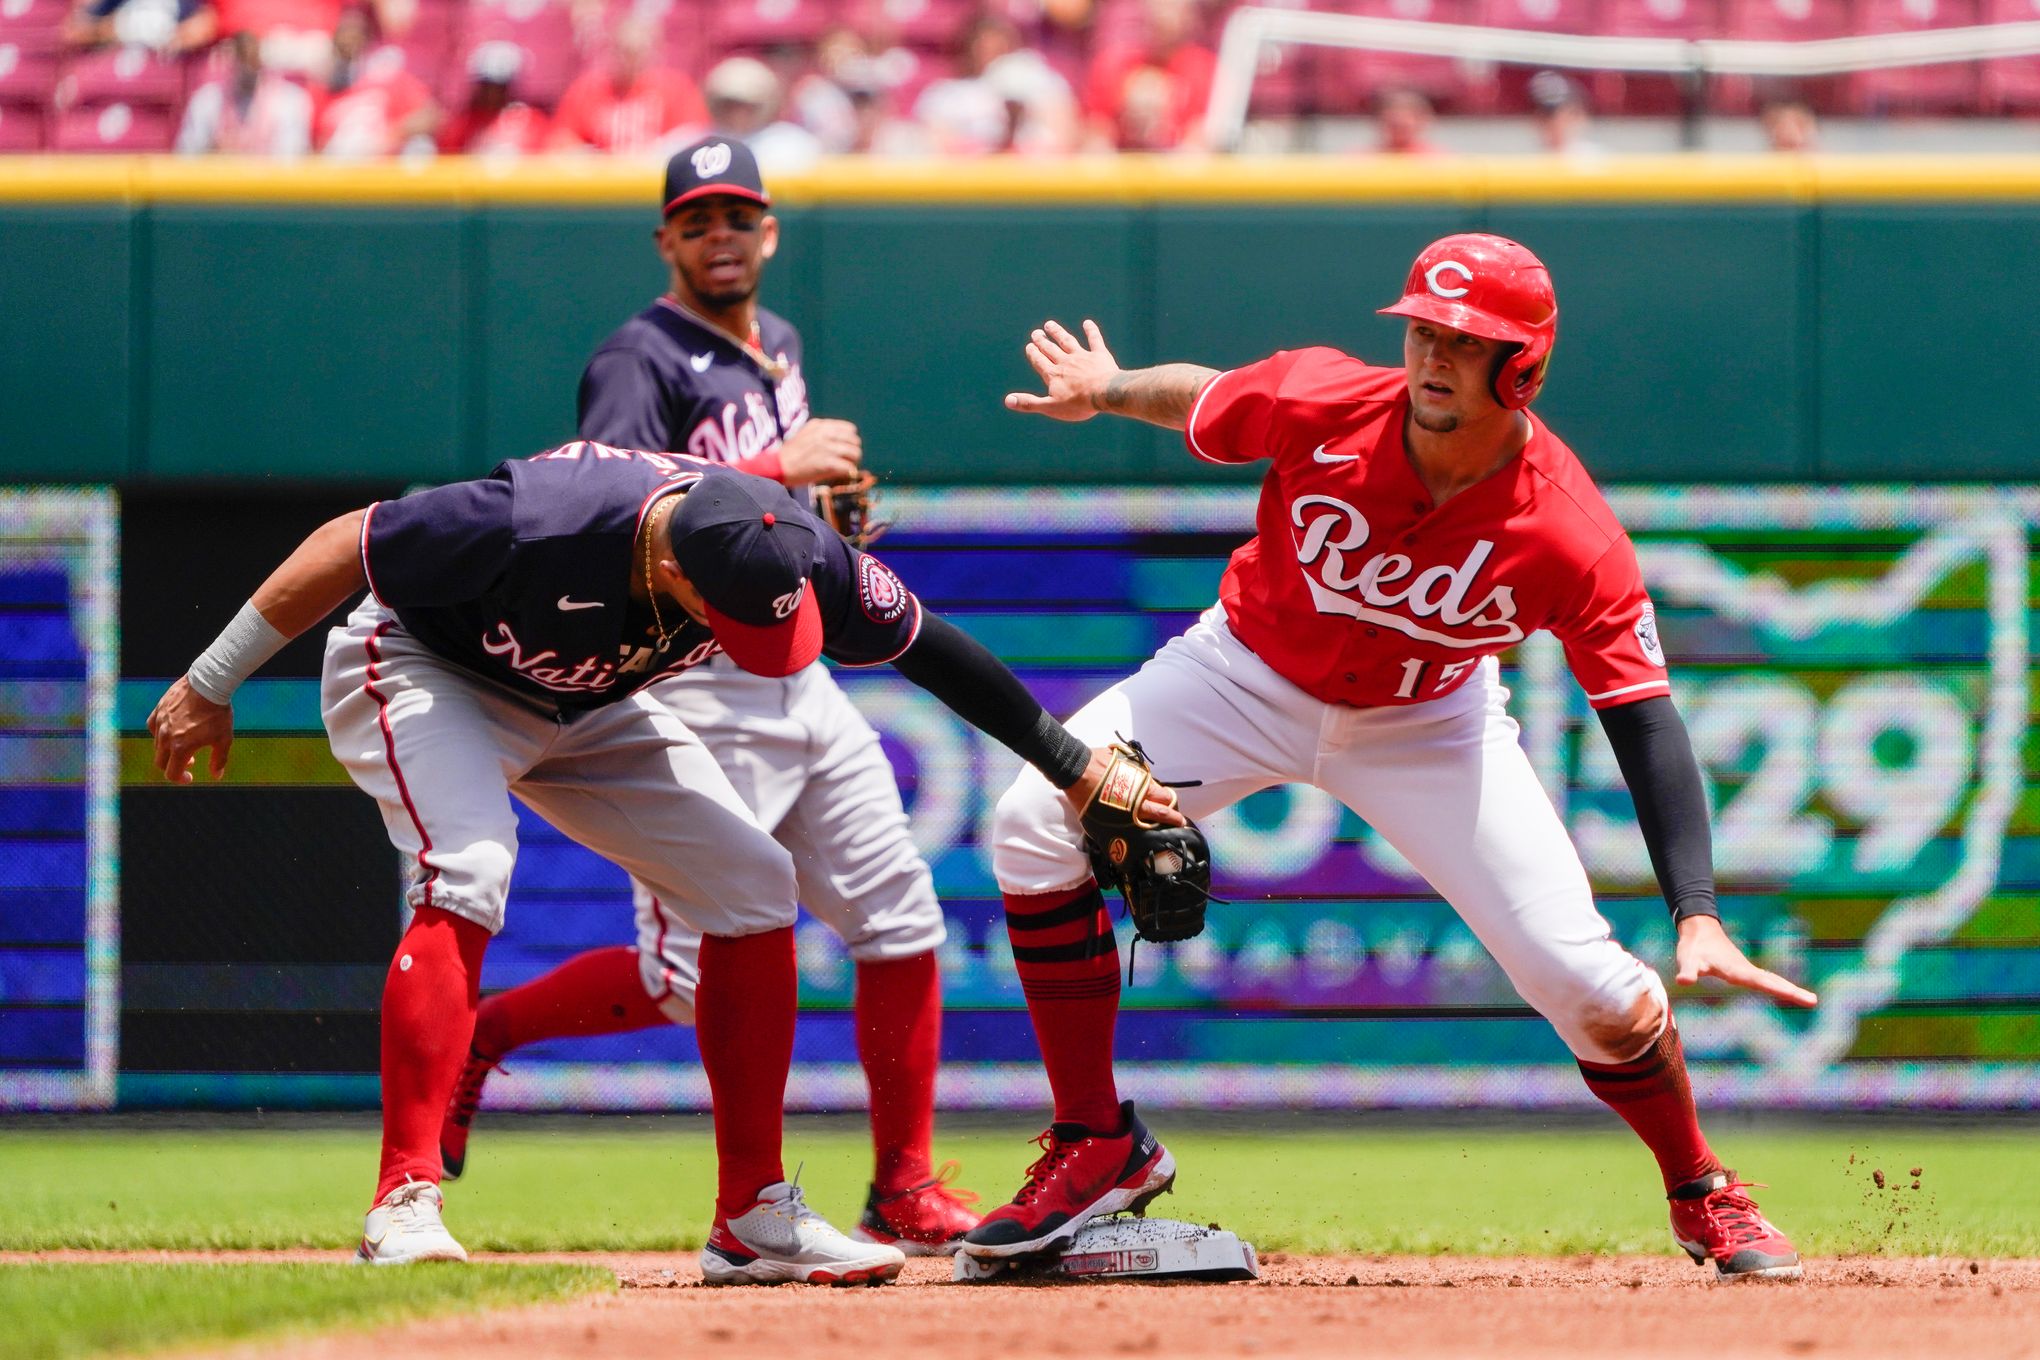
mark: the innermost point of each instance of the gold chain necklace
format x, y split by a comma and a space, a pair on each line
651, 586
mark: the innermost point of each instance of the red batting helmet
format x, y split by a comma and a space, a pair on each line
1491, 287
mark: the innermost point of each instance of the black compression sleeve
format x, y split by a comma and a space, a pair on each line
955, 667
1657, 760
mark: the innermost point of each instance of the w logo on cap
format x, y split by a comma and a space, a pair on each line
712, 160
784, 605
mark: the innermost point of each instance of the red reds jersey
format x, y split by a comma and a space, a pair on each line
1358, 590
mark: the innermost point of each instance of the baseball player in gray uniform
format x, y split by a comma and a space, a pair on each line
705, 370
512, 628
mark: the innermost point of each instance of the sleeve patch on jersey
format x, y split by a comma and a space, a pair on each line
1646, 635
883, 597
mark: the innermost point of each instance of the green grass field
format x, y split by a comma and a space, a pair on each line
1457, 1190
50, 1312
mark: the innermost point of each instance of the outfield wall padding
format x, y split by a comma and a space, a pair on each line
1720, 321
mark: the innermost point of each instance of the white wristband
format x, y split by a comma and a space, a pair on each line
237, 653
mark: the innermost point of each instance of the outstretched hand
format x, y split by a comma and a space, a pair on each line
183, 723
1073, 373
1705, 951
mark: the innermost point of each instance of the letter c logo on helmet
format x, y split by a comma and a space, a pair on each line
1434, 281
1494, 288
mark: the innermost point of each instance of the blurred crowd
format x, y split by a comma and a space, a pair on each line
796, 79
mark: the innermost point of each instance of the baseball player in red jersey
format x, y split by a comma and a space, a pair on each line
1414, 522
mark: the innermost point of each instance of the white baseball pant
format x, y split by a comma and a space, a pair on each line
441, 751
1444, 782
811, 770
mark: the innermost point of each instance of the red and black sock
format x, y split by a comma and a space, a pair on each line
1654, 1097
743, 1019
428, 1018
599, 992
899, 1038
1068, 961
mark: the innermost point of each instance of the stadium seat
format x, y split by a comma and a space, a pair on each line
1641, 92
1949, 87
430, 42
121, 75
1783, 21
546, 33
2011, 84
1347, 80
28, 66
20, 15
114, 127
757, 25
21, 127
926, 25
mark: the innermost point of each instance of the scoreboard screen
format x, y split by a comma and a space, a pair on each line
1853, 666
59, 924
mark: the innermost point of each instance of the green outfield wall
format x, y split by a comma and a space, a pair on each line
1722, 321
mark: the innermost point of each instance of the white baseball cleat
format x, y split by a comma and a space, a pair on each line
779, 1239
405, 1227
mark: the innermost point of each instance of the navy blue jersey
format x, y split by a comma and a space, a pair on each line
523, 577
668, 380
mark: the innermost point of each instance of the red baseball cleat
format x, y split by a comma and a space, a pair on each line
1712, 1219
928, 1219
460, 1111
1080, 1175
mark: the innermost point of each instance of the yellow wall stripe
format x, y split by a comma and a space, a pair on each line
1131, 180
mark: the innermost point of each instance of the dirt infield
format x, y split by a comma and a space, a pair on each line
1348, 1307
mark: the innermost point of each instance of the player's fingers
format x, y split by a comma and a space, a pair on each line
1025, 401
217, 766
1060, 334
1742, 973
1043, 363
1093, 334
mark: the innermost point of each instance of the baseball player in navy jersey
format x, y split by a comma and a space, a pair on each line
1414, 522
705, 370
510, 632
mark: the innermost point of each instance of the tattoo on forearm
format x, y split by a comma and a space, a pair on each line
1159, 395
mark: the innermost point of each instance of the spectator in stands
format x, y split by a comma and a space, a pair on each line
1790, 126
625, 104
367, 104
494, 123
846, 98
1559, 109
250, 110
1011, 99
1402, 124
1150, 95
744, 97
171, 27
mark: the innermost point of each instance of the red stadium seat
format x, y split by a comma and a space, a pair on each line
1949, 87
1544, 16
121, 75
543, 28
114, 127
1347, 80
755, 25
21, 127
2011, 84
1639, 92
1783, 21
17, 15
927, 25
28, 66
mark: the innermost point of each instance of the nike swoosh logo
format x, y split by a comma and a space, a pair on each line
1321, 456
567, 604
700, 362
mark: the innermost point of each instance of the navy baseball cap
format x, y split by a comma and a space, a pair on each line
714, 165
750, 550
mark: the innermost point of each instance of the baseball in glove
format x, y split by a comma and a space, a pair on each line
850, 508
1163, 872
